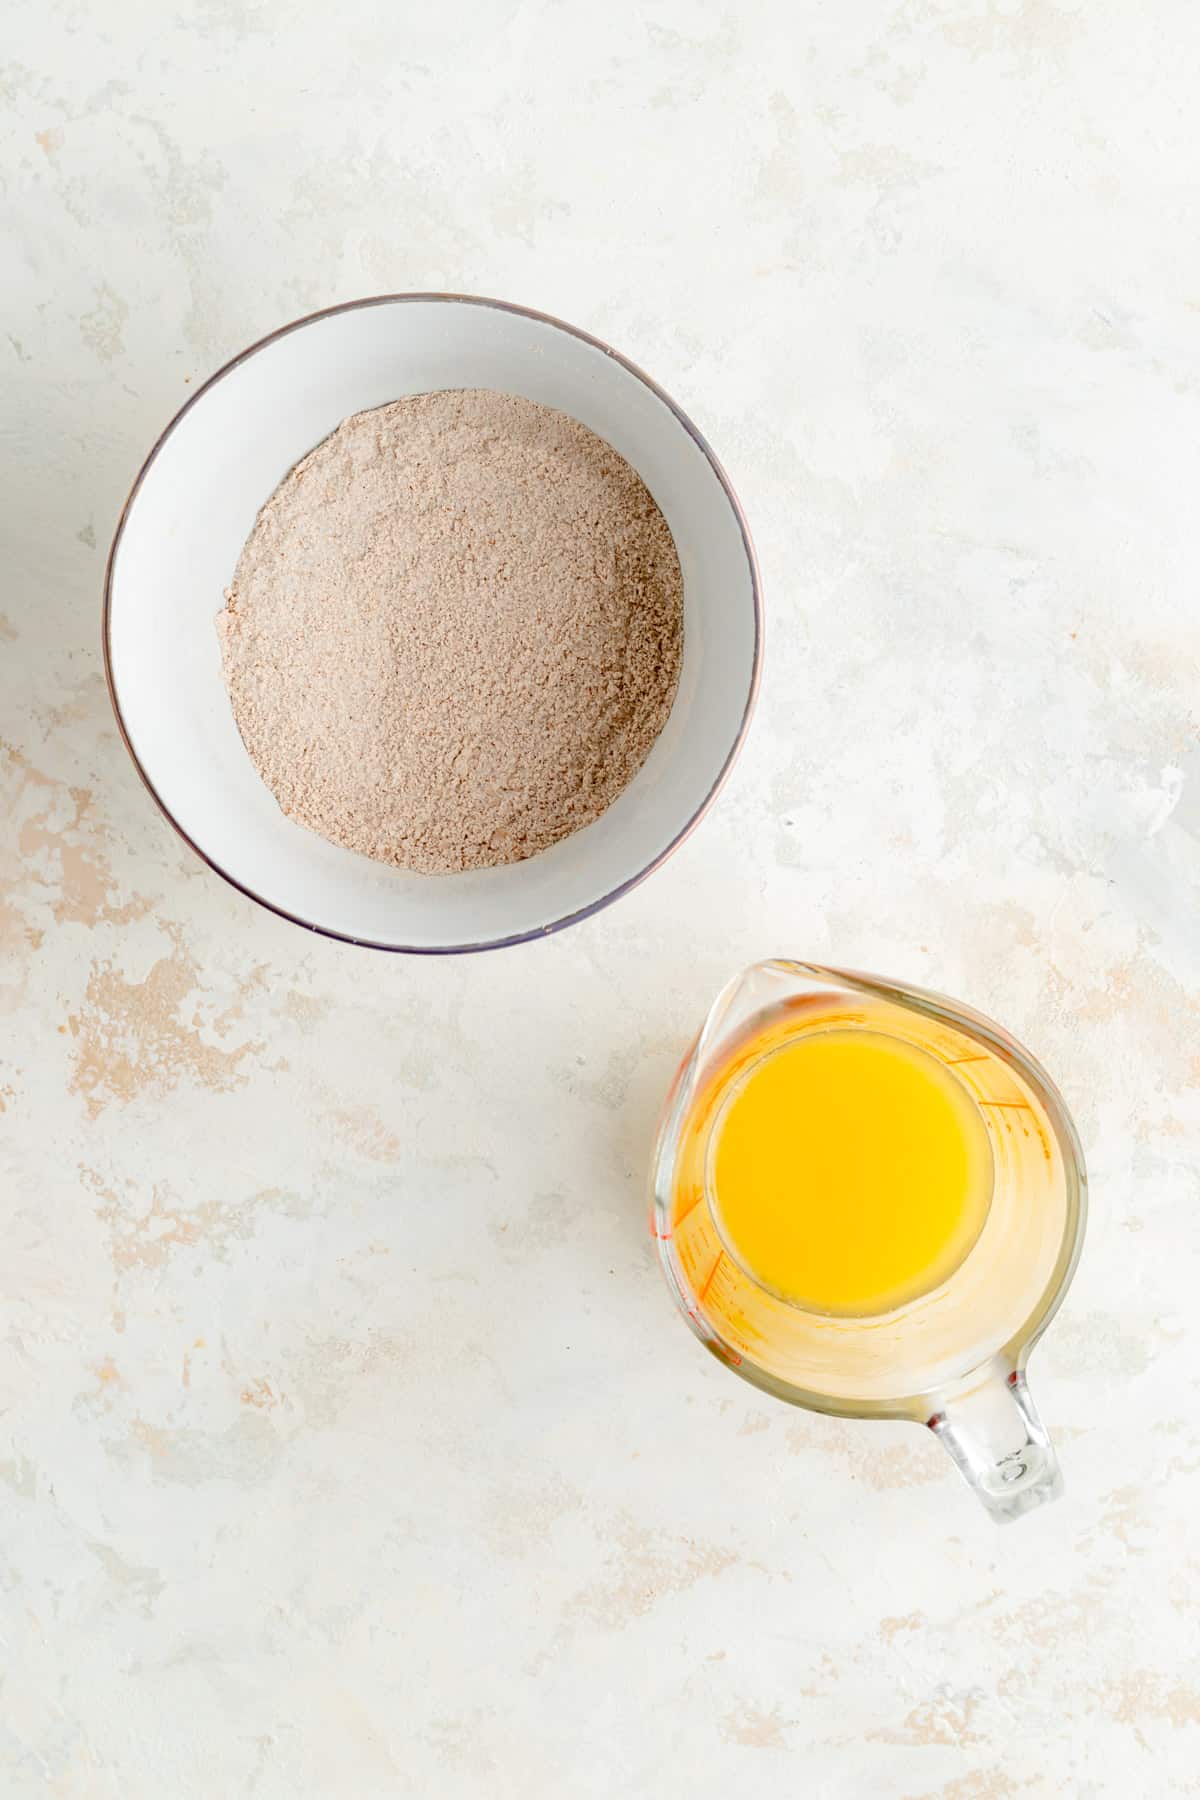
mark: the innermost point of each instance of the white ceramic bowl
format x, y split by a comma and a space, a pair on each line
189, 514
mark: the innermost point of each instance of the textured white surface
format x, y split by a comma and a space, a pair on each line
351, 1445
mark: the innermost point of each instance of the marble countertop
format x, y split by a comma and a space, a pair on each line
349, 1444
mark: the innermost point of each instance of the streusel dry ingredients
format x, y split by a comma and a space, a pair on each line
454, 632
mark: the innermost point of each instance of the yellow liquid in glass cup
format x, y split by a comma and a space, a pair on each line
869, 1201
850, 1170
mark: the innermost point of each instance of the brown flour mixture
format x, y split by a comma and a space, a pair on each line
454, 632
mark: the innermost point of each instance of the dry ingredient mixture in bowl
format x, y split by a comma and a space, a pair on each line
492, 626
454, 632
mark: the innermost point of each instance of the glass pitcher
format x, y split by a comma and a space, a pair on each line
952, 1359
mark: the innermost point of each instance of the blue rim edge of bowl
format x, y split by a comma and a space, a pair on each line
593, 906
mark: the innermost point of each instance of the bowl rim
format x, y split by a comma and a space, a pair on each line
702, 444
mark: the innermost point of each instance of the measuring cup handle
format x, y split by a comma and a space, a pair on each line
1000, 1445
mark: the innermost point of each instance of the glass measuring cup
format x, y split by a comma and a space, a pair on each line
953, 1358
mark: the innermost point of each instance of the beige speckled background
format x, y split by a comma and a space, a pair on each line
349, 1444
